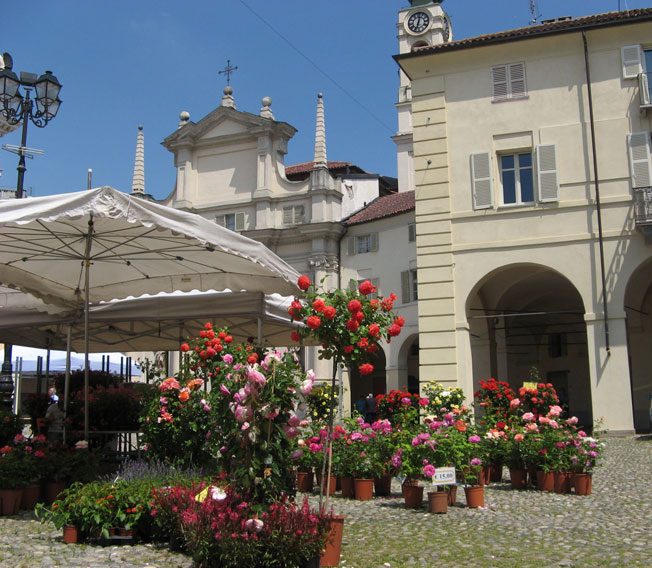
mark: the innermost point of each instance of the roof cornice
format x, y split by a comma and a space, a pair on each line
556, 27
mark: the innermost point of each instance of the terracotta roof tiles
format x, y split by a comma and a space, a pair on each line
548, 27
385, 206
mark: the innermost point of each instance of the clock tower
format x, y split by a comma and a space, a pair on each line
423, 24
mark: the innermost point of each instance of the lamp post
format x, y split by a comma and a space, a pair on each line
16, 108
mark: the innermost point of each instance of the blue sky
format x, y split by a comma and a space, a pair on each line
123, 63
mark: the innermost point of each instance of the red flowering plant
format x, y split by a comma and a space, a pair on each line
400, 407
495, 398
178, 423
348, 324
224, 528
539, 399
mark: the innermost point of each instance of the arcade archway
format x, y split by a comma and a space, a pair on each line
527, 321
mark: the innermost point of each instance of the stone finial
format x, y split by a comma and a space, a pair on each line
184, 117
321, 160
266, 111
227, 99
138, 183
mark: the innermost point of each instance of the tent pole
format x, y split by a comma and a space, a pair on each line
87, 266
66, 383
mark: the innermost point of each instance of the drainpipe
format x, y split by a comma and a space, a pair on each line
597, 196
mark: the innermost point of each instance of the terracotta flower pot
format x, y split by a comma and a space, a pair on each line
364, 489
582, 483
330, 487
348, 487
31, 496
331, 555
562, 482
474, 496
305, 481
451, 491
413, 495
545, 481
383, 485
437, 502
518, 478
496, 472
10, 501
52, 490
70, 534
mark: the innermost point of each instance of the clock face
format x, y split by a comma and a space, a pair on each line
418, 22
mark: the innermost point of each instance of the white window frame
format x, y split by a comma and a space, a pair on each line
409, 286
294, 215
517, 177
363, 244
544, 170
237, 220
508, 82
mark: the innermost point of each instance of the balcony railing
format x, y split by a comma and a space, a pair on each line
643, 206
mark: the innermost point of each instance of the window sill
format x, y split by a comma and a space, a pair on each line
509, 99
516, 205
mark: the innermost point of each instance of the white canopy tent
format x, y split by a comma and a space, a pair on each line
150, 323
77, 249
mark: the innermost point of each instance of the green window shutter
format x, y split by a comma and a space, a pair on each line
412, 232
351, 246
639, 158
483, 192
405, 287
299, 214
373, 246
547, 182
240, 221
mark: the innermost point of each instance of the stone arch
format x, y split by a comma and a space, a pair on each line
375, 383
408, 364
524, 317
638, 308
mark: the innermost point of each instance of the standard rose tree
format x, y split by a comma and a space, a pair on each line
348, 324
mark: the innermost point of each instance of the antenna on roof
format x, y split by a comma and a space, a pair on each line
533, 11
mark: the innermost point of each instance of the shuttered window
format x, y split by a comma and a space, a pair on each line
232, 221
632, 61
546, 163
525, 177
293, 215
508, 82
375, 282
409, 286
639, 159
362, 244
412, 232
481, 181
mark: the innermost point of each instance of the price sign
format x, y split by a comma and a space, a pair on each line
444, 476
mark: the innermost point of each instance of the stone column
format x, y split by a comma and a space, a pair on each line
611, 397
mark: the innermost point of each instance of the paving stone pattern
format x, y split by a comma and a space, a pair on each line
516, 529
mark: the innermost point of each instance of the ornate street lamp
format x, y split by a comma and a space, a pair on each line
16, 108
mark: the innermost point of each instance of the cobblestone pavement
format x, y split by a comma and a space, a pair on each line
516, 529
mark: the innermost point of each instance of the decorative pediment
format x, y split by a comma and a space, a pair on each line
227, 122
